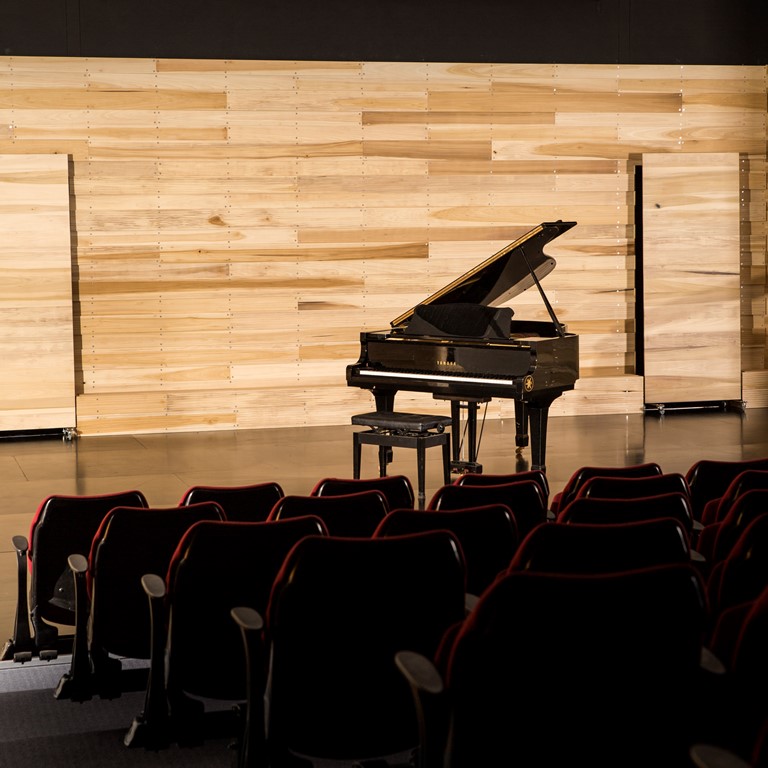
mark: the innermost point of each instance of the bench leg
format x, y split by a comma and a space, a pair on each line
421, 470
356, 451
383, 459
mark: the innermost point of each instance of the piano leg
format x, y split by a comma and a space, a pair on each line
521, 425
538, 413
538, 423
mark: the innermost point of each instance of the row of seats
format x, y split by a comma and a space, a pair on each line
178, 588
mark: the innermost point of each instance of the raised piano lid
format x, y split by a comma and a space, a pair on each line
506, 274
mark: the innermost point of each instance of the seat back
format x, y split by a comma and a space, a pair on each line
601, 548
601, 487
619, 653
216, 566
131, 542
744, 712
245, 503
709, 479
743, 574
592, 510
582, 474
397, 489
61, 526
487, 535
744, 509
351, 514
524, 498
479, 478
716, 509
339, 611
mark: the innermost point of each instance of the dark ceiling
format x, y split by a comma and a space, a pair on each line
559, 31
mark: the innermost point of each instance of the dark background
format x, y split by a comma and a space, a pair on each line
552, 31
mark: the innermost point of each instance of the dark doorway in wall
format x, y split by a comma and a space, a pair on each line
639, 311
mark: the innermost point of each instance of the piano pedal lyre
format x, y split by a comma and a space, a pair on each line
459, 403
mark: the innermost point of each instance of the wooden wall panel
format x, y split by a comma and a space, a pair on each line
238, 223
691, 278
37, 390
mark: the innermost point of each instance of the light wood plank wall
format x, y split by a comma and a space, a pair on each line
37, 389
238, 223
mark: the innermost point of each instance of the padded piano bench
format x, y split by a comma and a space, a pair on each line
392, 429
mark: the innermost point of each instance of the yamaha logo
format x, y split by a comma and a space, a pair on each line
528, 383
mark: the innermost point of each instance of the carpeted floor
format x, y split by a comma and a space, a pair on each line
36, 729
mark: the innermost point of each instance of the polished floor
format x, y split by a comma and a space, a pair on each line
163, 466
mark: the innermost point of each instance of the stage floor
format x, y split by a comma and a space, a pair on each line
163, 466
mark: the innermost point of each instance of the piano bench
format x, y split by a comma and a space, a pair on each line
392, 429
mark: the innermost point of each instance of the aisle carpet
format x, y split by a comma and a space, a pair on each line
36, 729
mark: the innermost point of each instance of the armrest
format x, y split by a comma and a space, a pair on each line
151, 728
20, 647
431, 706
710, 756
77, 683
252, 744
711, 663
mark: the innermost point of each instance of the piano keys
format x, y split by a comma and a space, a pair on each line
460, 342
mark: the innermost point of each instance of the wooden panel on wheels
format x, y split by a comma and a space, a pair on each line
691, 278
37, 388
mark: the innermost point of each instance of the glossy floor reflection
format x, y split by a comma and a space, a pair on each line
163, 466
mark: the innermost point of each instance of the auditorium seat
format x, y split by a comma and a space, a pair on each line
643, 487
743, 573
602, 487
334, 692
197, 658
397, 489
717, 538
600, 670
739, 706
709, 479
523, 497
603, 547
487, 535
349, 514
715, 509
582, 474
112, 618
590, 509
62, 524
479, 478
245, 503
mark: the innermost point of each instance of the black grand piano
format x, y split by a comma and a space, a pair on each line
459, 343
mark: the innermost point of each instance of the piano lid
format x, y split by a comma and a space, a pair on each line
506, 274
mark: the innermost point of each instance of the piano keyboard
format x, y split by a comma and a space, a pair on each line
485, 380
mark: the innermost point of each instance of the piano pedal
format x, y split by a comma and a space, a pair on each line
466, 467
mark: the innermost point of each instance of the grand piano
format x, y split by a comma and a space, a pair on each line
461, 343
